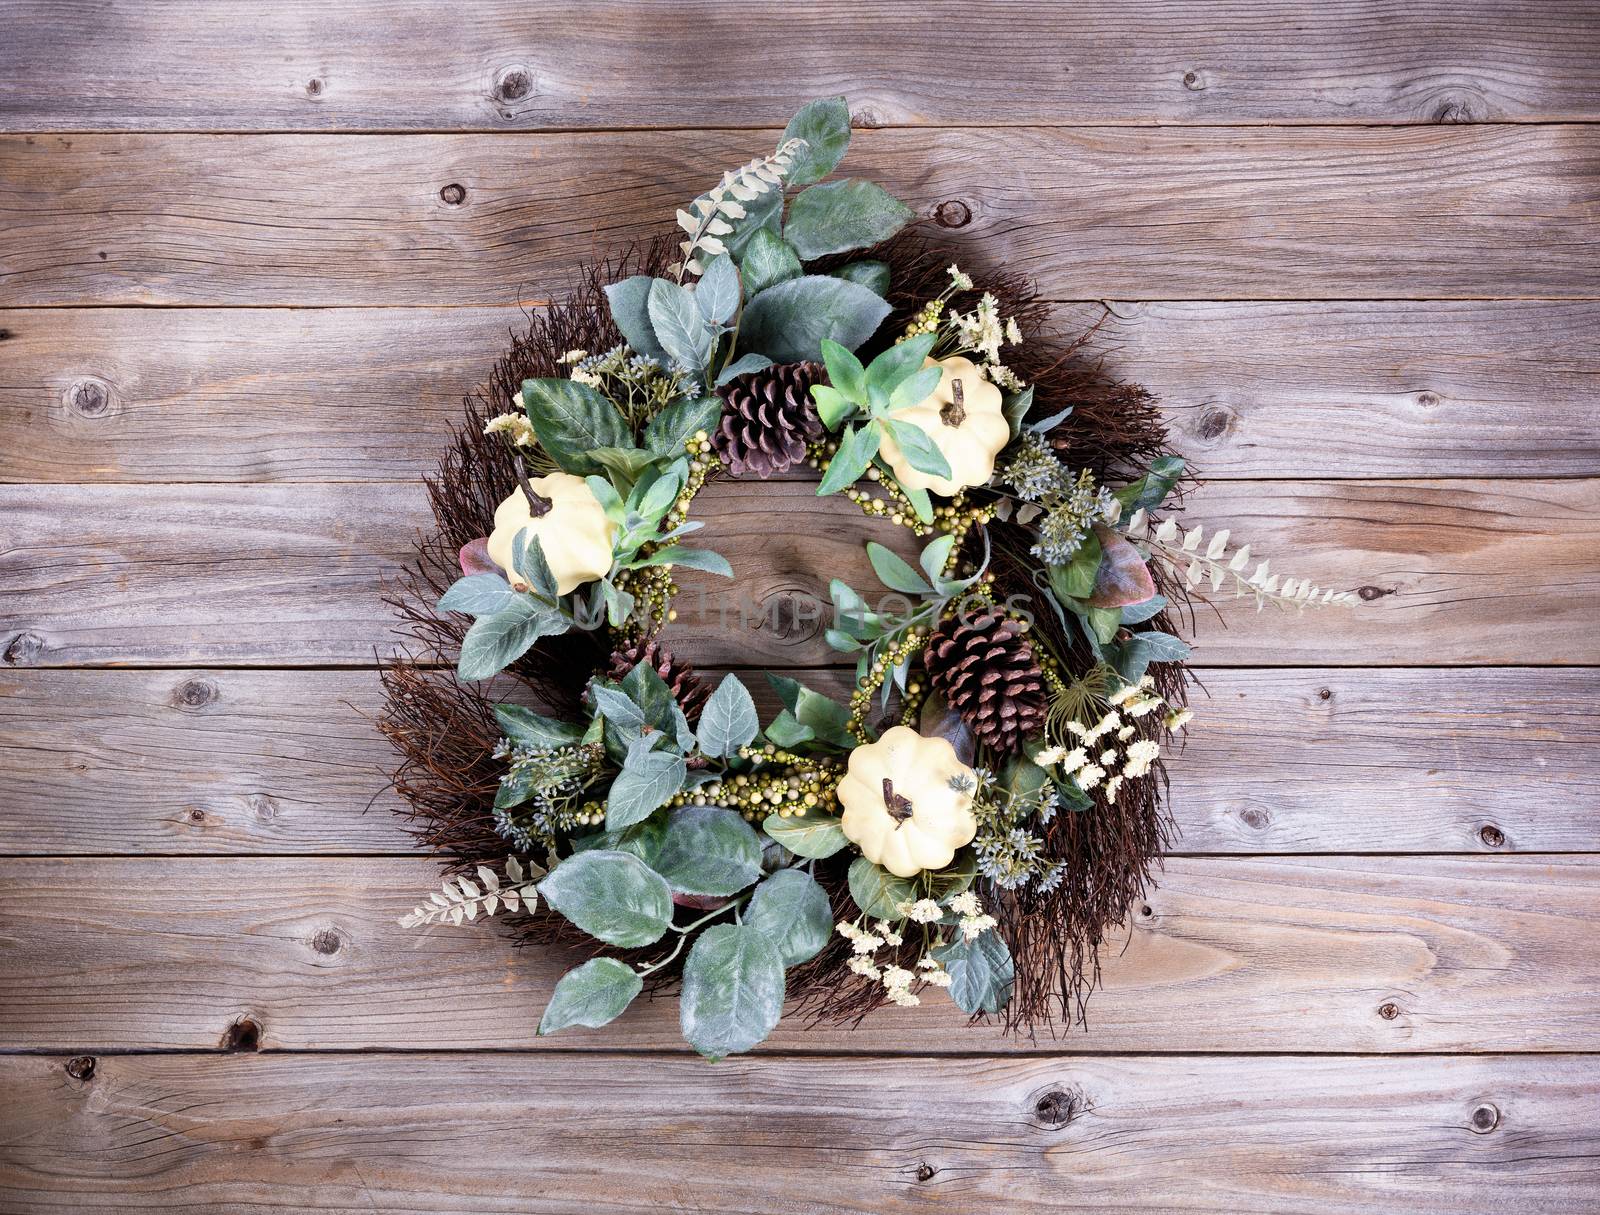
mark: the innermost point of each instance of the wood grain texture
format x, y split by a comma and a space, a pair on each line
1308, 761
1288, 954
437, 1134
378, 65
1367, 389
1469, 572
1126, 213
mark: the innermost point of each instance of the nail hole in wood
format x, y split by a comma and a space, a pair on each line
952, 213
1193, 81
925, 1171
81, 1067
1485, 1118
453, 194
1389, 1011
1145, 911
243, 1035
313, 87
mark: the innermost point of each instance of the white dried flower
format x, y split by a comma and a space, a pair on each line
958, 280
973, 927
1140, 756
965, 903
923, 911
514, 426
863, 967
1090, 776
1179, 719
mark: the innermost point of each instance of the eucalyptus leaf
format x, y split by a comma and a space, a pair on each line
1137, 653
794, 913
708, 850
841, 215
495, 642
732, 990
768, 259
872, 275
681, 330
571, 420
591, 995
918, 449
846, 375
688, 558
894, 573
728, 721
824, 124
849, 463
982, 973
666, 434
479, 595
788, 321
811, 834
613, 896
1015, 406
530, 729
527, 558
630, 309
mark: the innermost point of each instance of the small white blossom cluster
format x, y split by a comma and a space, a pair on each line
898, 982
982, 331
514, 426
974, 922
1107, 767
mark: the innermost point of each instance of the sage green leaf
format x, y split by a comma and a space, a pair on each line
845, 372
825, 716
532, 729
610, 501
591, 995
717, 294
849, 463
788, 321
690, 558
630, 309
643, 840
1139, 651
877, 891
728, 721
708, 850
840, 215
745, 364
647, 781
658, 496
981, 972
643, 683
625, 464
812, 834
732, 990
1078, 575
495, 642
874, 276
666, 434
920, 502
613, 896
479, 595
899, 363
681, 330
571, 420
893, 572
825, 126
916, 388
527, 558
768, 259
918, 449
794, 912
1150, 490
833, 407
1138, 613
1015, 406
935, 556
786, 732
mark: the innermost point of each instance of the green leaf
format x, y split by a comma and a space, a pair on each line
935, 556
893, 572
811, 834
764, 214
1138, 613
591, 995
787, 322
833, 407
666, 434
495, 642
917, 448
840, 215
532, 729
794, 913
745, 364
732, 990
625, 464
849, 463
1137, 653
920, 502
717, 295
527, 558
915, 389
981, 972
689, 558
1015, 406
613, 896
630, 309
826, 717
1075, 580
1151, 490
785, 731
874, 276
647, 781
620, 710
681, 330
610, 501
899, 363
728, 720
845, 372
708, 850
1104, 622
877, 891
825, 126
642, 840
768, 259
644, 685
479, 595
657, 498
571, 420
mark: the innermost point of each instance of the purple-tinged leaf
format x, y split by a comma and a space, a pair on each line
1123, 578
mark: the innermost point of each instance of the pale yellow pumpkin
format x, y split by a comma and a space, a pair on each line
969, 432
908, 802
574, 532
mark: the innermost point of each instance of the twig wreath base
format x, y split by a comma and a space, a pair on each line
1018, 667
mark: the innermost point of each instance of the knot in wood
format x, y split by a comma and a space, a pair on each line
1058, 1107
1146, 911
513, 84
1428, 400
1369, 593
1256, 818
952, 213
1485, 1118
1389, 1011
243, 1035
23, 649
865, 119
81, 1067
89, 398
1324, 693
925, 1171
196, 815
194, 694
313, 87
5, 335
1216, 422
1492, 836
326, 941
1194, 81
454, 194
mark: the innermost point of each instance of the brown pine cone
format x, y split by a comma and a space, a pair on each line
688, 689
768, 418
983, 664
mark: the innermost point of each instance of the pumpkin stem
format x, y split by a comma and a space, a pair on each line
954, 412
538, 505
898, 806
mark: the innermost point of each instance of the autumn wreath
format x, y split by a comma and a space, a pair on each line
986, 806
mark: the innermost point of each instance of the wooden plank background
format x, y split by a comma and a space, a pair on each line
1349, 244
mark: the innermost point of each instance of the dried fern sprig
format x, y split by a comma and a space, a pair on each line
462, 898
706, 220
1194, 564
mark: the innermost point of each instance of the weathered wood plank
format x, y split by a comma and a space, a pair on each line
374, 65
1499, 388
1490, 1134
1289, 954
268, 575
1125, 213
1305, 761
